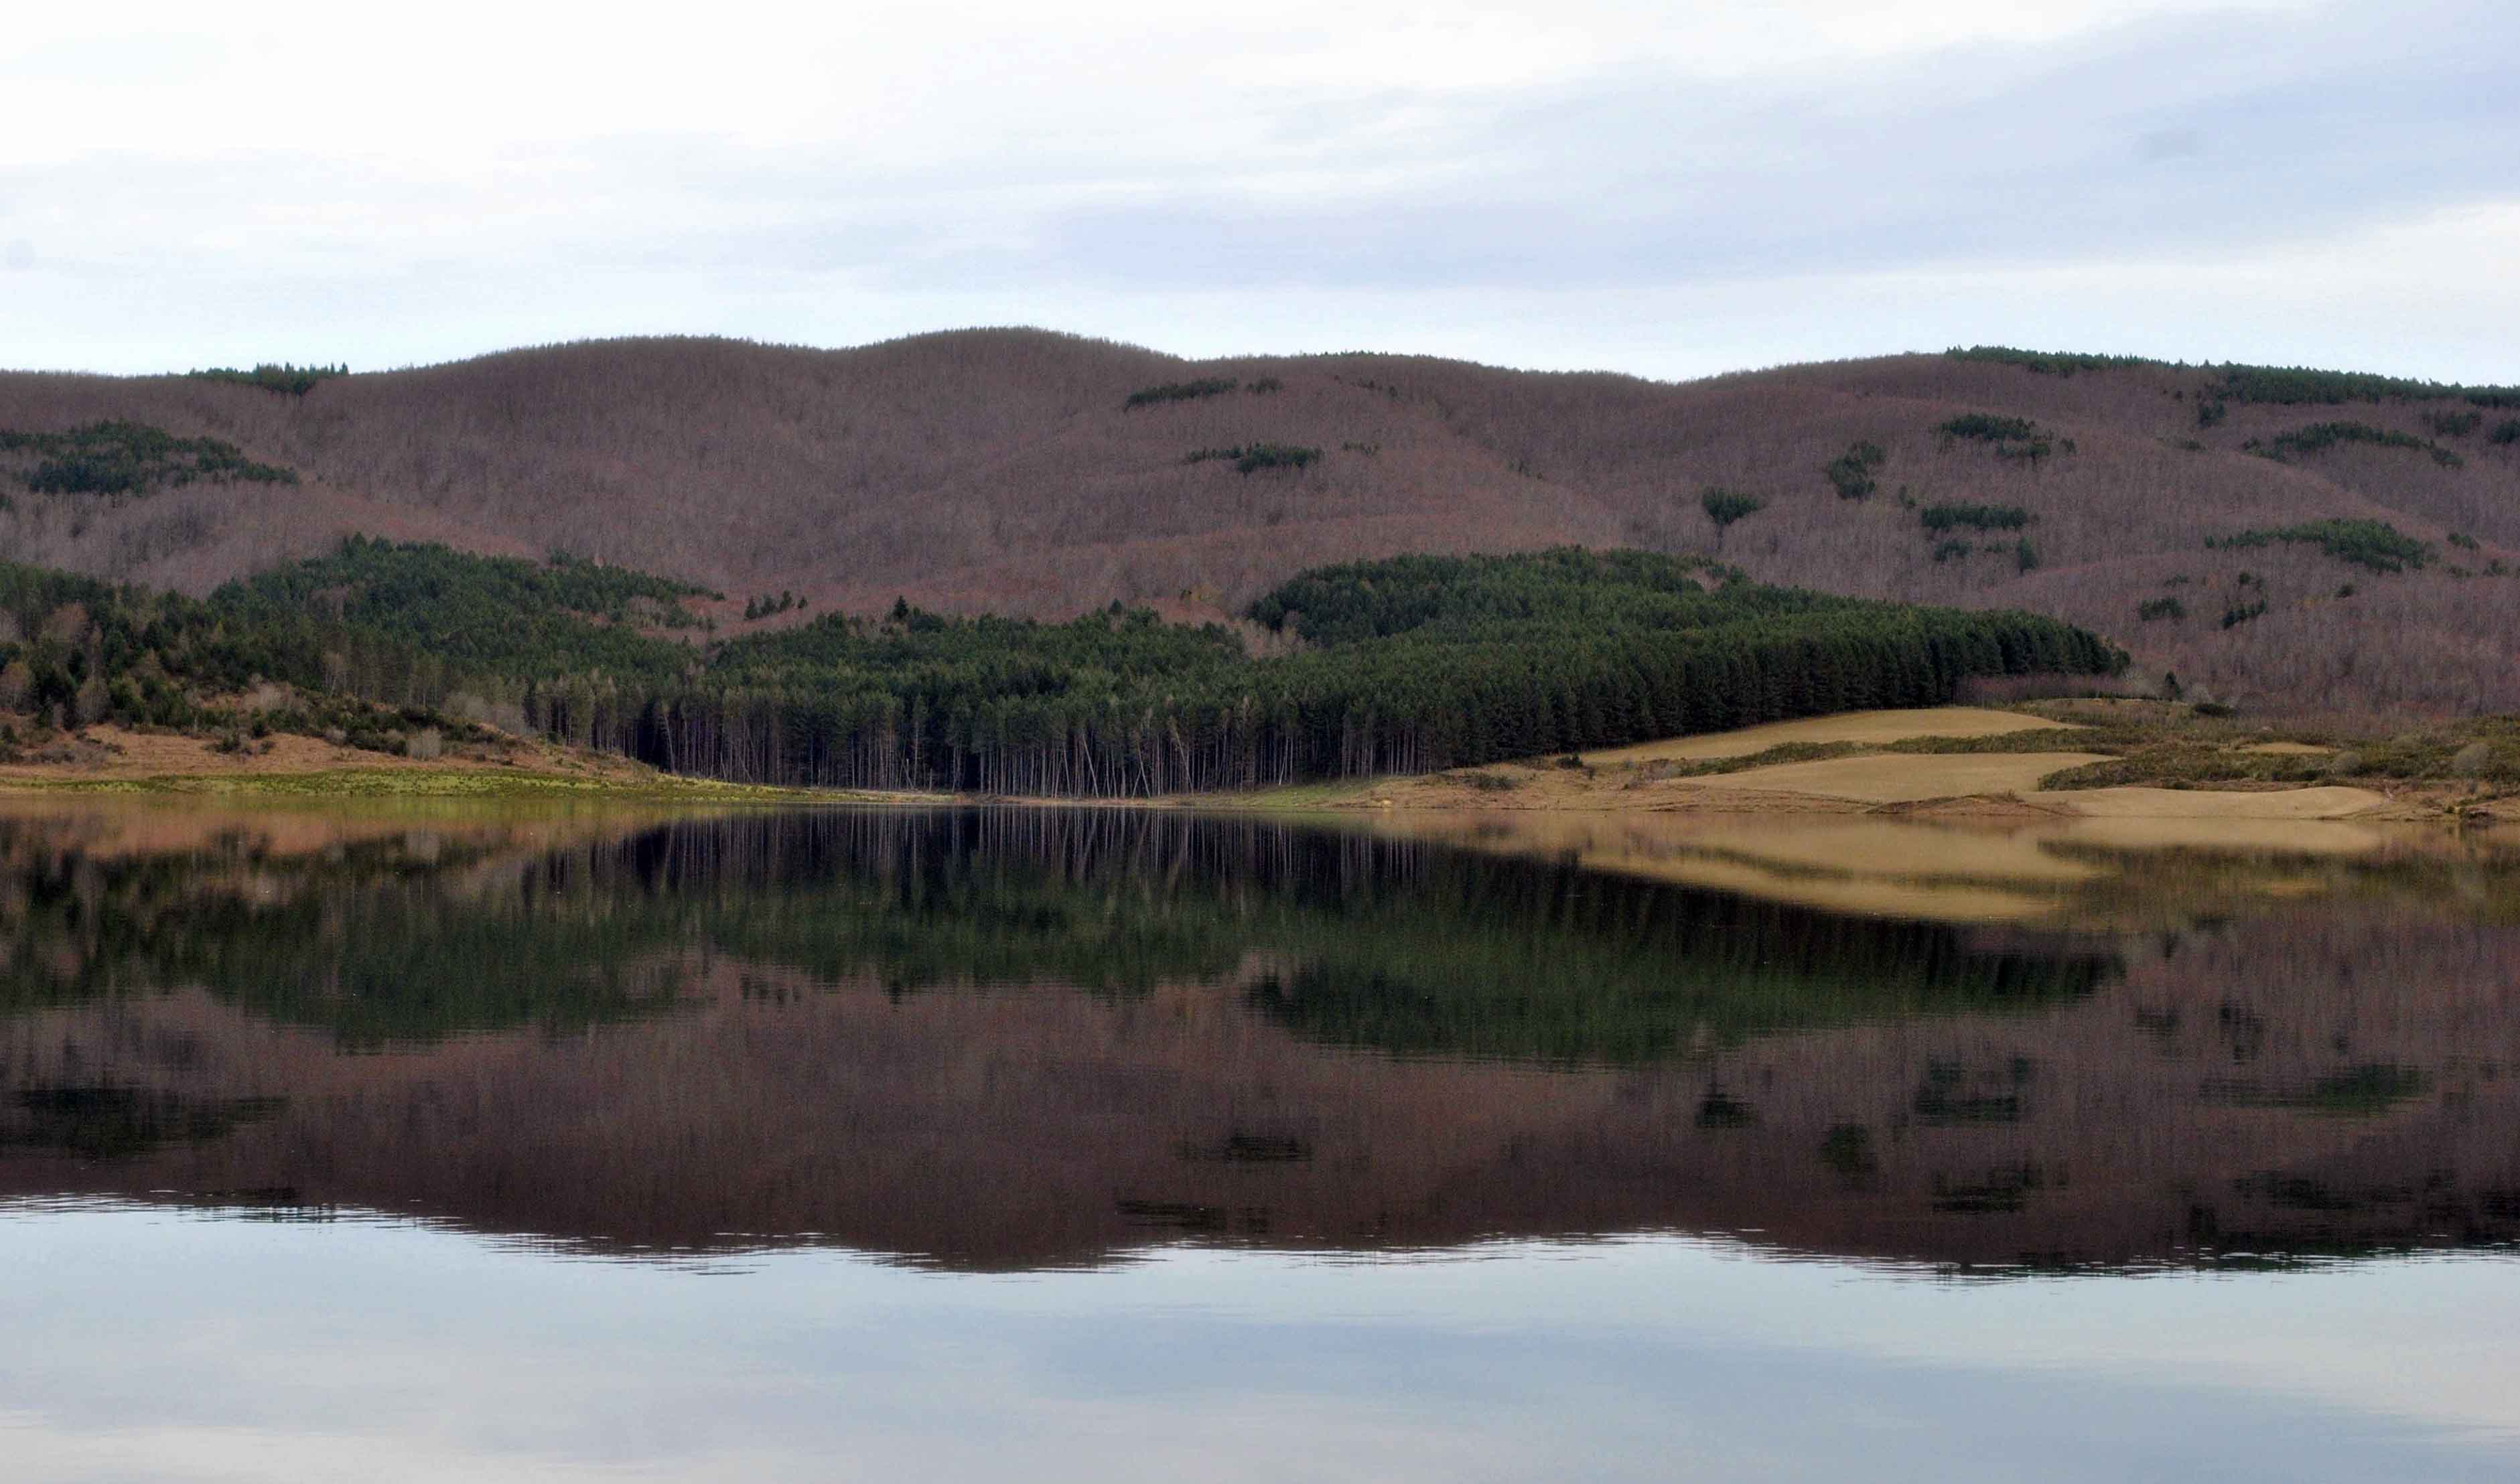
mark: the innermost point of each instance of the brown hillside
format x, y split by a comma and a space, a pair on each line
1000, 470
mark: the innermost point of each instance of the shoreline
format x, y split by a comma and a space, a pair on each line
1951, 763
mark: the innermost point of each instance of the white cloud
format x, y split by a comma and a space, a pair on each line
385, 185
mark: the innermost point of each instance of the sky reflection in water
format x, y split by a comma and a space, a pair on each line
941, 1146
149, 1344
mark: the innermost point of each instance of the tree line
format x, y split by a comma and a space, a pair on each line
284, 377
1403, 665
2283, 385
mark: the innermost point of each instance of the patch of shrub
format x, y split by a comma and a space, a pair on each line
2212, 709
2507, 431
1266, 386
2319, 437
1986, 427
2453, 425
1984, 518
1492, 782
2152, 608
1250, 458
2463, 541
1851, 472
2010, 437
2236, 613
2025, 557
1254, 457
2211, 411
2373, 544
122, 458
1723, 507
1948, 551
1178, 391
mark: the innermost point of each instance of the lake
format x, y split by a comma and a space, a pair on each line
428, 1143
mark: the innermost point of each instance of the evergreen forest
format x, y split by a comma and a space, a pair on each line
1407, 664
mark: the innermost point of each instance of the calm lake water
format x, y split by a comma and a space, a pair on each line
1077, 1144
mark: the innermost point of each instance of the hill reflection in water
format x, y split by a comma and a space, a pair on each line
1030, 1038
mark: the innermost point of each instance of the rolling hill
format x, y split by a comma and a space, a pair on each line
2220, 523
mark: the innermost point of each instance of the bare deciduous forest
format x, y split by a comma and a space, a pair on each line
1030, 472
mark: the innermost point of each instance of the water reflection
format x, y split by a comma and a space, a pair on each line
1050, 1038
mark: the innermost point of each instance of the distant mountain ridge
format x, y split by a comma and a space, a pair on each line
2361, 530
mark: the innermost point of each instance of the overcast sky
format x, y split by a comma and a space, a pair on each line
1671, 189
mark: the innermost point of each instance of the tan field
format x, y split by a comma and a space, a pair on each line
1865, 726
305, 769
1903, 778
2333, 803
115, 754
2001, 785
